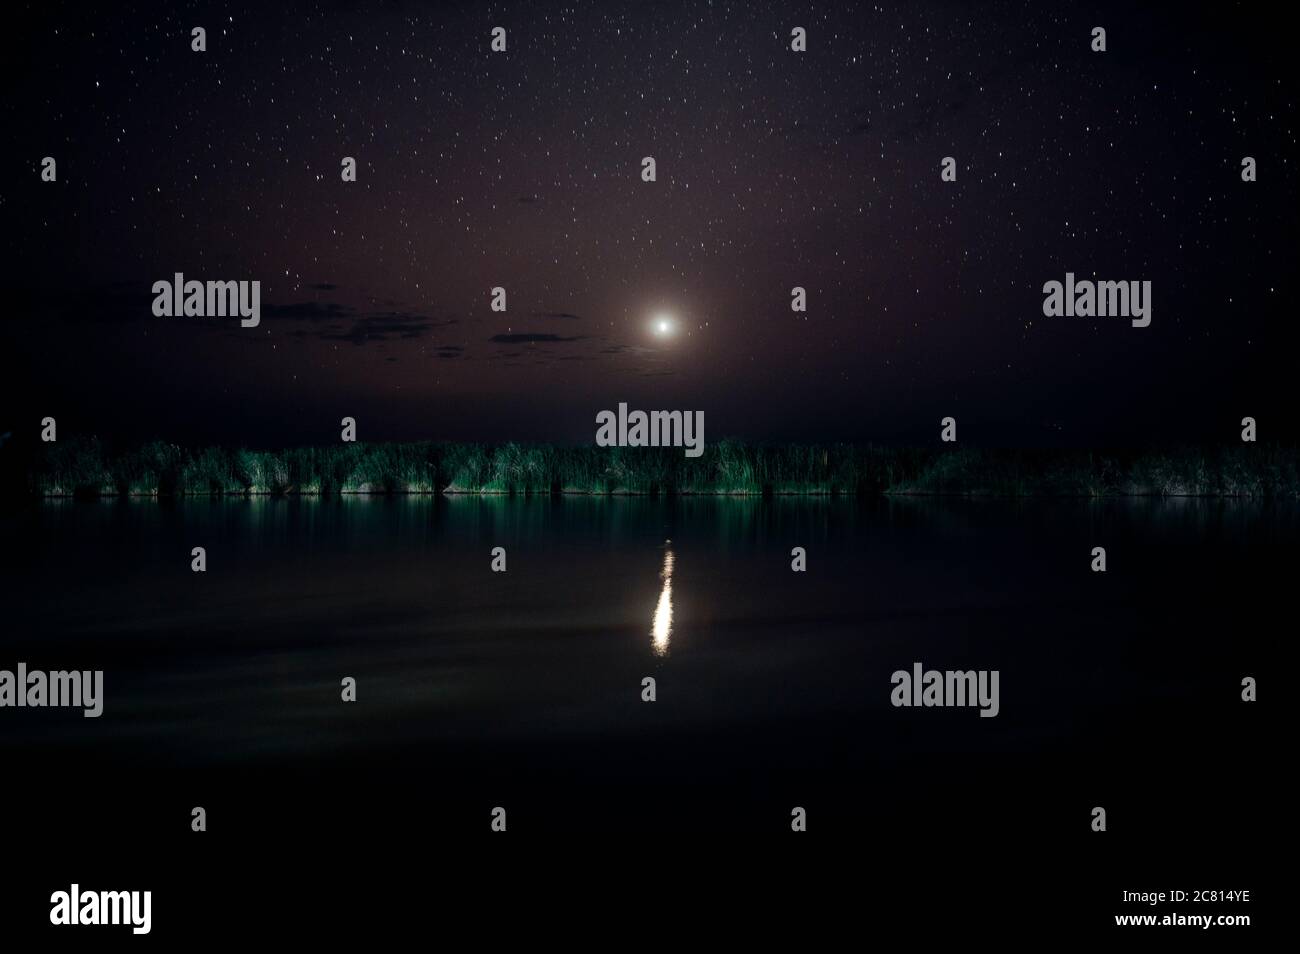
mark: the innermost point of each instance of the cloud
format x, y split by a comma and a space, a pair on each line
308, 311
127, 301
557, 314
533, 339
328, 322
386, 326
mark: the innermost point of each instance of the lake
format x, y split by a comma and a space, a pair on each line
523, 689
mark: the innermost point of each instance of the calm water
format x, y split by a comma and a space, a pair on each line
523, 688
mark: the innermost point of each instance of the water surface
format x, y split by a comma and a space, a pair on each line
524, 688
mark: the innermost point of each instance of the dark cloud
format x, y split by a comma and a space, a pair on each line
365, 328
308, 311
557, 314
386, 326
533, 339
323, 286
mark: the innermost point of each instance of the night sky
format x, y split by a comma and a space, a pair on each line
523, 169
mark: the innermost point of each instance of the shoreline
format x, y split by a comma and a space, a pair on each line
743, 494
85, 467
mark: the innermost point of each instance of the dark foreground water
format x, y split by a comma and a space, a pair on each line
523, 689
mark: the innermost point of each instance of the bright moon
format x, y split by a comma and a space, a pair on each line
664, 326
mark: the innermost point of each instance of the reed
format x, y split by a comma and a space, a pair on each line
87, 468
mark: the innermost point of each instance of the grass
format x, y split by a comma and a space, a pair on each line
87, 468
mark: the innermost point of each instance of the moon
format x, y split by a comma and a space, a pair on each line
663, 325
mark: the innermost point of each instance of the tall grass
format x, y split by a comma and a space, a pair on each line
86, 467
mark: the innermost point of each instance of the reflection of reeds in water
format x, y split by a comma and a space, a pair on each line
727, 467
